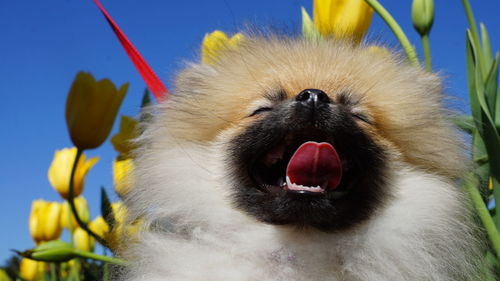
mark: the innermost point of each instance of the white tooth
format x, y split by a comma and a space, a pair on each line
294, 186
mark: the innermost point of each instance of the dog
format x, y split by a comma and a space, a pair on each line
294, 159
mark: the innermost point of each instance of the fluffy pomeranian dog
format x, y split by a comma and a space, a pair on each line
290, 159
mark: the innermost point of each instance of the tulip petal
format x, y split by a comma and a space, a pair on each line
91, 109
342, 18
354, 20
212, 44
60, 171
83, 241
28, 269
99, 226
122, 141
52, 221
123, 176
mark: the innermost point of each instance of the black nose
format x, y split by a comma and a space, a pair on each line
313, 97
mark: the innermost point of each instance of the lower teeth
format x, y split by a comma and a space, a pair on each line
298, 187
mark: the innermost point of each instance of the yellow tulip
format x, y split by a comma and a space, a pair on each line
123, 140
29, 269
217, 42
91, 109
45, 220
82, 240
83, 212
4, 276
123, 176
379, 51
342, 18
99, 226
60, 171
119, 211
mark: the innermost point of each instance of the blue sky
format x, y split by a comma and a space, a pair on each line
45, 43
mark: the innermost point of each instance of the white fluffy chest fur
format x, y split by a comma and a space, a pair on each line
423, 233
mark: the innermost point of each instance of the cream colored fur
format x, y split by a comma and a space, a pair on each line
193, 232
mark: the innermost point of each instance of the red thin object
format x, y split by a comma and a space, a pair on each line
160, 92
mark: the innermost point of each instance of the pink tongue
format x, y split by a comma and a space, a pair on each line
315, 164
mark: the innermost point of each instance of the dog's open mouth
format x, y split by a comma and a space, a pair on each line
304, 162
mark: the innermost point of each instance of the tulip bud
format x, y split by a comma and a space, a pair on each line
342, 18
423, 15
82, 240
67, 216
123, 176
45, 220
52, 229
91, 109
123, 140
99, 226
35, 220
215, 43
52, 251
119, 212
60, 171
379, 51
28, 269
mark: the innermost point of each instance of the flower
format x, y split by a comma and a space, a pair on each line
4, 276
122, 141
29, 269
99, 226
217, 42
119, 211
342, 18
82, 240
60, 171
91, 109
123, 176
45, 220
422, 14
379, 51
66, 213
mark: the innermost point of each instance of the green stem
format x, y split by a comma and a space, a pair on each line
74, 270
396, 29
98, 257
471, 185
53, 275
105, 274
71, 201
470, 19
475, 35
427, 52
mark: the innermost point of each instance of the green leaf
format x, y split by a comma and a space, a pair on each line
487, 53
145, 116
471, 79
491, 262
146, 100
497, 108
491, 87
309, 30
480, 90
478, 149
106, 209
496, 195
51, 251
464, 123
